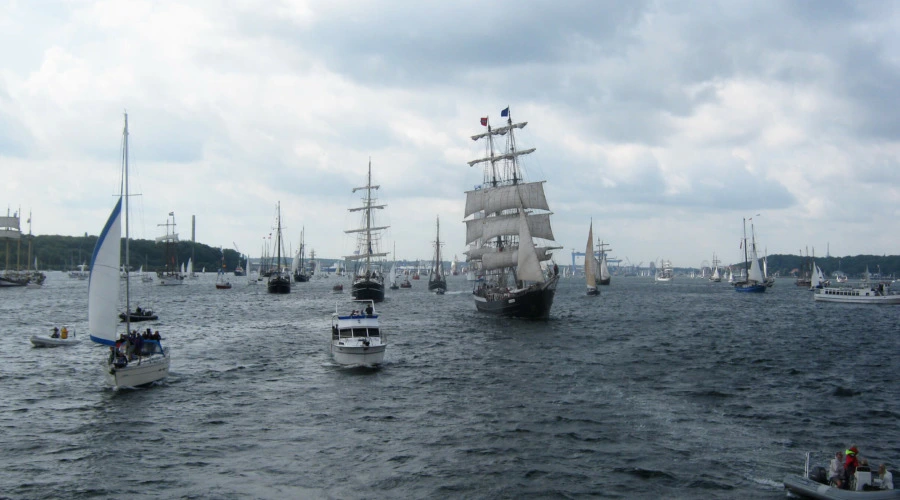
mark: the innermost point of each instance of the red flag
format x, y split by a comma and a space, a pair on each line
484, 122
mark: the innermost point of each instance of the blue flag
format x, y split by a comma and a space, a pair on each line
505, 112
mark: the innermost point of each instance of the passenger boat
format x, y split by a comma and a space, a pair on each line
814, 484
357, 339
879, 293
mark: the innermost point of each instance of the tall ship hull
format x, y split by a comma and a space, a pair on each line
532, 303
279, 284
368, 290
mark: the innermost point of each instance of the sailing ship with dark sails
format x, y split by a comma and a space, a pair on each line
280, 278
437, 283
508, 215
368, 277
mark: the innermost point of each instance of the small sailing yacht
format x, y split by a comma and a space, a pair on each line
133, 360
590, 275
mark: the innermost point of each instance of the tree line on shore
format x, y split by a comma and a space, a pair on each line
65, 253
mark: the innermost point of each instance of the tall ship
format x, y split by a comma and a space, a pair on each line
368, 276
171, 273
279, 278
508, 215
603, 268
665, 272
716, 277
754, 281
9, 231
437, 283
298, 268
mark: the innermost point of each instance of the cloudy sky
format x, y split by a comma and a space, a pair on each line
666, 122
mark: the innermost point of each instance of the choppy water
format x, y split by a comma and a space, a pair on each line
680, 390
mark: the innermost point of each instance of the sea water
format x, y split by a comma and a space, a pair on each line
651, 390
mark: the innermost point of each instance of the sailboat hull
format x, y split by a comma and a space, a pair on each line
138, 373
593, 291
368, 290
532, 303
605, 281
279, 285
438, 286
749, 287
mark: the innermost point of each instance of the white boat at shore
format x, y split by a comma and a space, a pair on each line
878, 293
357, 339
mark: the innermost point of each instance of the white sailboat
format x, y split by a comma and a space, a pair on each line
716, 277
590, 275
603, 276
664, 273
138, 361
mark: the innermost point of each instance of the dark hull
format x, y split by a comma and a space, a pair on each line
533, 303
240, 273
300, 278
436, 285
749, 288
5, 282
279, 285
138, 317
606, 281
368, 290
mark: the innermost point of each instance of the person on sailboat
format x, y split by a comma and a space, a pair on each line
55, 334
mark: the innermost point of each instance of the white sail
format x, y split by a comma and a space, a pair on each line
529, 269
507, 225
589, 276
815, 281
755, 273
296, 262
103, 284
190, 267
715, 275
528, 195
499, 130
604, 268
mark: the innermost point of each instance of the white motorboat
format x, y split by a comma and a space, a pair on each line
357, 339
878, 293
56, 339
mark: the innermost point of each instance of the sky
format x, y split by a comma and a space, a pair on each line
666, 123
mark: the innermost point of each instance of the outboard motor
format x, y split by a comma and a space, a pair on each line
819, 474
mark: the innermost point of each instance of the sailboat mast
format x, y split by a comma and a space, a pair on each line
746, 258
369, 219
127, 228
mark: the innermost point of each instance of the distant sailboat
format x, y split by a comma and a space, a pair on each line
754, 282
604, 276
715, 278
590, 274
436, 281
279, 280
